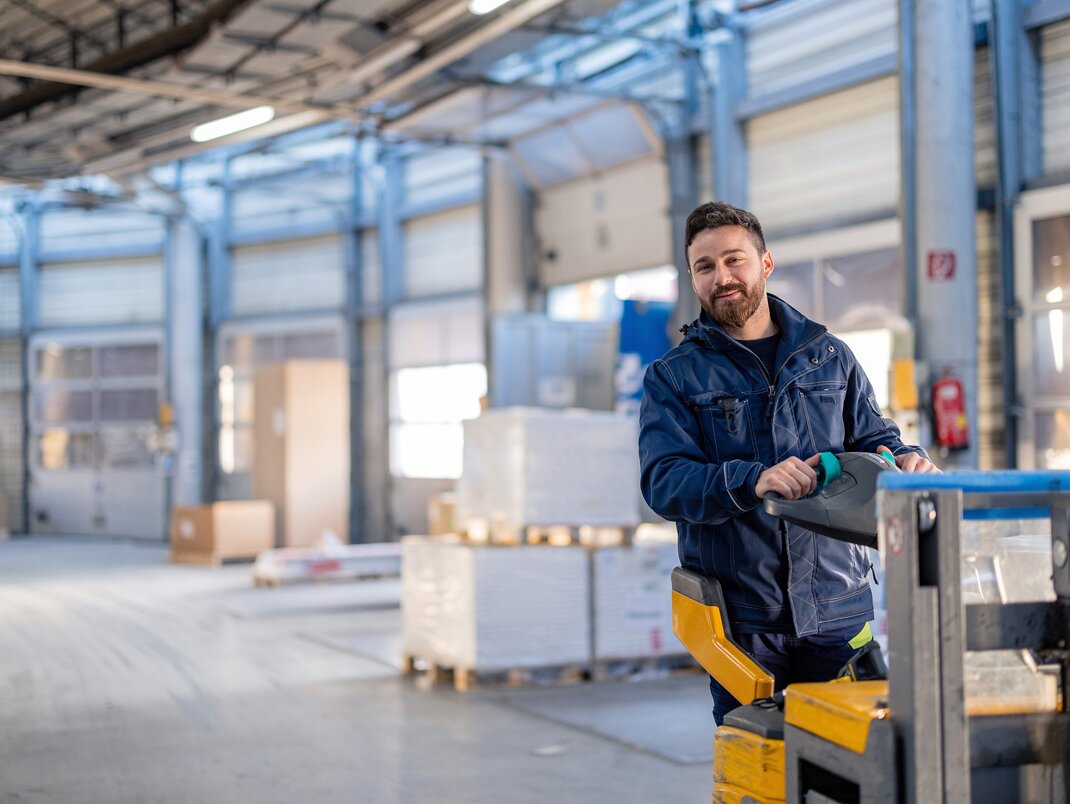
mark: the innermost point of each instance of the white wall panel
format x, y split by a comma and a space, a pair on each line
307, 274
830, 159
436, 333
10, 318
442, 173
606, 224
318, 201
1055, 96
77, 229
801, 41
444, 252
114, 291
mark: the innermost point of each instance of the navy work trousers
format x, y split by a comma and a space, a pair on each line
790, 659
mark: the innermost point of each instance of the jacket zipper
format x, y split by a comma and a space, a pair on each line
771, 383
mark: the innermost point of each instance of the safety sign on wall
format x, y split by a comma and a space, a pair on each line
941, 265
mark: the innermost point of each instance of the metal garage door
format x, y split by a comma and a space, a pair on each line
94, 404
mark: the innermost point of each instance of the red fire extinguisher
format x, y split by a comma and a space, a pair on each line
949, 413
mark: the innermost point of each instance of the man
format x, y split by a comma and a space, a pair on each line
741, 408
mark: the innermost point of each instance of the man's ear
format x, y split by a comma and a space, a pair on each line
767, 264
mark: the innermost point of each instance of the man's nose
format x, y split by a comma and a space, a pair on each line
722, 276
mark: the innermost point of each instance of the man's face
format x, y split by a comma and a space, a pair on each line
728, 274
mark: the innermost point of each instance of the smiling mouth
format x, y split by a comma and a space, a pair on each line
728, 295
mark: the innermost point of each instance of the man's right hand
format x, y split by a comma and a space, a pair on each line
792, 479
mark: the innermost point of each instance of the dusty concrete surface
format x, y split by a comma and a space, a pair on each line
126, 679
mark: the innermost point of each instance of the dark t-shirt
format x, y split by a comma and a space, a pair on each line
765, 348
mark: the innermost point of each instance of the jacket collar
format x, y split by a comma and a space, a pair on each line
795, 328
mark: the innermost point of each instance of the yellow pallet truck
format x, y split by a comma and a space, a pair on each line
906, 733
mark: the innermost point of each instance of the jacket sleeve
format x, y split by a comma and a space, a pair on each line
677, 480
866, 427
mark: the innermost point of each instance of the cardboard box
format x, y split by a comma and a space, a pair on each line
441, 514
301, 448
212, 533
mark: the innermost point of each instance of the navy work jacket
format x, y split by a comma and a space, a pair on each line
712, 421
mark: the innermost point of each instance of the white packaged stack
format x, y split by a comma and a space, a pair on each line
532, 466
487, 608
632, 601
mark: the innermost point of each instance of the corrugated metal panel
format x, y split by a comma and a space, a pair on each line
436, 333
802, 41
124, 291
75, 229
11, 429
10, 310
984, 125
309, 201
306, 274
831, 159
991, 453
442, 174
444, 252
1055, 96
613, 222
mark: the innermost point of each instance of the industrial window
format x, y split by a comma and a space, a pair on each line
427, 406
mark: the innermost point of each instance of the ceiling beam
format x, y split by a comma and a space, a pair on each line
157, 89
158, 46
504, 23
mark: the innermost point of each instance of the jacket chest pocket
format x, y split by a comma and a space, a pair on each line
726, 428
822, 407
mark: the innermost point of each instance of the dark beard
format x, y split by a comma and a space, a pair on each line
733, 313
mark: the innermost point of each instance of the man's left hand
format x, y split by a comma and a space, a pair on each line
912, 461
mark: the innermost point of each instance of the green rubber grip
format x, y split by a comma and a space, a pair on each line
828, 469
887, 456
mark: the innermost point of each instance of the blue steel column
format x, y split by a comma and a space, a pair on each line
29, 315
354, 304
392, 259
186, 351
1016, 91
943, 215
728, 137
680, 156
219, 309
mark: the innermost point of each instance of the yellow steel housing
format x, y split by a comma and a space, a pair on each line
839, 712
749, 762
701, 629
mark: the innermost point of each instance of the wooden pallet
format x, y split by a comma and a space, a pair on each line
649, 666
203, 559
501, 533
466, 679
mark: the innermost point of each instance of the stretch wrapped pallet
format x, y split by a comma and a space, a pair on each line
488, 608
531, 466
632, 604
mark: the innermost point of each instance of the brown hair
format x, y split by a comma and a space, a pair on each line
716, 214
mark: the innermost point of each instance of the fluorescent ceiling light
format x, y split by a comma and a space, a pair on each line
485, 6
230, 124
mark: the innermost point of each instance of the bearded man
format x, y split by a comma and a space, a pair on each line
741, 408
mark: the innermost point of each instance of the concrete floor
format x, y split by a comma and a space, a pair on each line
126, 679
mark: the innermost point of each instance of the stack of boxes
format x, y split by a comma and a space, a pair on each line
531, 466
491, 607
494, 608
